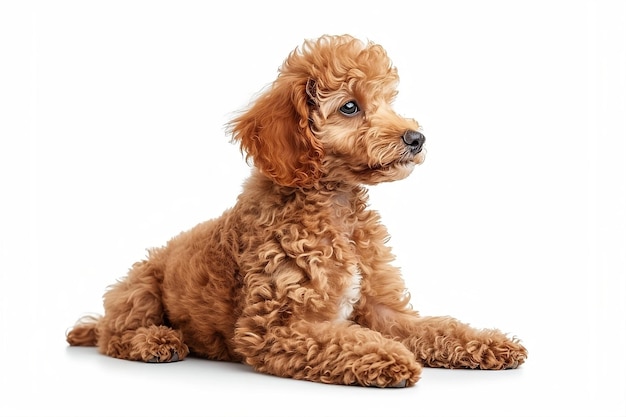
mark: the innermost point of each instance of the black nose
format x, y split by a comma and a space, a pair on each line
414, 140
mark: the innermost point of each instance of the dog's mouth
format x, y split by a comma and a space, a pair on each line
391, 166
394, 170
397, 169
406, 160
420, 157
373, 172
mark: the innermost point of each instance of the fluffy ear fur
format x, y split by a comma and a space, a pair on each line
275, 133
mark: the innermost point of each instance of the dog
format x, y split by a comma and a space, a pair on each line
296, 279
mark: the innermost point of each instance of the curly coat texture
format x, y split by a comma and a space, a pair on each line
296, 280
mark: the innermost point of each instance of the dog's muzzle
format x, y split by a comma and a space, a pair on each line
414, 140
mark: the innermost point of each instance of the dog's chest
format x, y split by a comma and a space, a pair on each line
345, 222
350, 296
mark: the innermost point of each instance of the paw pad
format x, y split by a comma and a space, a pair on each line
172, 357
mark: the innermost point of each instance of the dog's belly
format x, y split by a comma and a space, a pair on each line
350, 297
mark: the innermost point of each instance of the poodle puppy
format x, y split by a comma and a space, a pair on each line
296, 280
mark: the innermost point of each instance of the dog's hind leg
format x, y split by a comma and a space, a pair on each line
134, 325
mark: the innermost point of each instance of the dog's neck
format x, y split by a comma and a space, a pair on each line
339, 195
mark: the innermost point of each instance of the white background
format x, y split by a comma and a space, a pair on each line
112, 141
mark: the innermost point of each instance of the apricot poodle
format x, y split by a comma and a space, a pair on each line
296, 280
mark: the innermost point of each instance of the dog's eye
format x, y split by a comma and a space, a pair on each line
350, 108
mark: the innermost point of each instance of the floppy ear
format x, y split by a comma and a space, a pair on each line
275, 133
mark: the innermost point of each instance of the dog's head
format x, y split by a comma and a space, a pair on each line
328, 118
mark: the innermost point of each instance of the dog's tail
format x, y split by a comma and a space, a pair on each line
84, 332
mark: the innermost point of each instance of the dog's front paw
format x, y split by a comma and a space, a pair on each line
498, 352
386, 370
171, 357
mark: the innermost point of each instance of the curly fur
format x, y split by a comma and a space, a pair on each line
296, 280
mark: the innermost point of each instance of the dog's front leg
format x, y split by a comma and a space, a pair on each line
446, 342
284, 331
435, 341
328, 352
